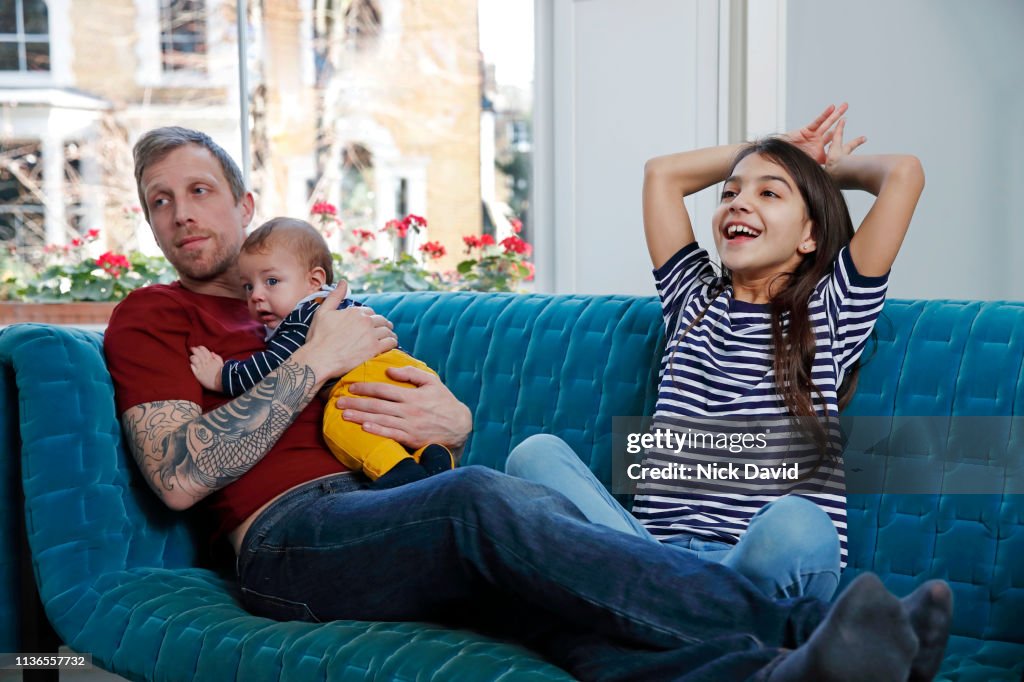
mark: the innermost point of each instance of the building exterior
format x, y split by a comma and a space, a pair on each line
373, 105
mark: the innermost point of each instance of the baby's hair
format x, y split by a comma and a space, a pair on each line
300, 237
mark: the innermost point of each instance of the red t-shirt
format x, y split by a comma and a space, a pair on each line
147, 347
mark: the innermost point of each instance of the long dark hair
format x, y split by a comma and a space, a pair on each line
793, 340
792, 330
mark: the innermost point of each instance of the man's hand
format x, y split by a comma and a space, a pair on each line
414, 416
207, 366
341, 340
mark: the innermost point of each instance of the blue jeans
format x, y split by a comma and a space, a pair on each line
790, 548
476, 548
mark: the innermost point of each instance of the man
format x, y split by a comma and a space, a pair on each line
314, 544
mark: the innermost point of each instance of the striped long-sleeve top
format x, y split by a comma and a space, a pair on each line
720, 365
239, 376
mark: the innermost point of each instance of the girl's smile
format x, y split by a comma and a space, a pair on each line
761, 222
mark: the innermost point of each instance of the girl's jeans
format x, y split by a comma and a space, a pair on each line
476, 548
790, 548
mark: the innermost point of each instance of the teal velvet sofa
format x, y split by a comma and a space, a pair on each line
124, 579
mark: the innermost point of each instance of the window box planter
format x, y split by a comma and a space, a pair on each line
72, 313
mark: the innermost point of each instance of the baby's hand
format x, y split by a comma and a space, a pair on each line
207, 365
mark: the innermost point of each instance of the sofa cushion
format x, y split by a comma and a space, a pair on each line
115, 565
116, 569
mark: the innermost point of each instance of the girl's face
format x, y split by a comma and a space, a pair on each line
761, 227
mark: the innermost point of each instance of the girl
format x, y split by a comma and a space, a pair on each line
777, 334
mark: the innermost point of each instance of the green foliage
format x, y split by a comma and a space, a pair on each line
405, 274
518, 169
495, 272
90, 279
70, 274
13, 274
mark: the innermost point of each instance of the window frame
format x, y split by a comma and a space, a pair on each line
21, 39
149, 50
169, 36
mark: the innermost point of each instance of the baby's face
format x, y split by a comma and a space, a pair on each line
273, 283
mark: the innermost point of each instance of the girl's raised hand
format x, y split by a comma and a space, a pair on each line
837, 150
813, 138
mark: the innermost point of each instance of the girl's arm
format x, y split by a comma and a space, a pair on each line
667, 179
897, 180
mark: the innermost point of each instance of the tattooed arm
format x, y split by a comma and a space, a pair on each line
186, 455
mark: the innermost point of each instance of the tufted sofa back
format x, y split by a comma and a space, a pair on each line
529, 364
938, 358
88, 512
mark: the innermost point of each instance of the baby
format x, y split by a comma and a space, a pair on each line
286, 272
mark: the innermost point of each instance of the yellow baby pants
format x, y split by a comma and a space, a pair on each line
358, 450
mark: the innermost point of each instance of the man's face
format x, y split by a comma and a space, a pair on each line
196, 221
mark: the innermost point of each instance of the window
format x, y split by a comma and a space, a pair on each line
22, 216
183, 35
24, 36
362, 23
519, 135
357, 188
352, 24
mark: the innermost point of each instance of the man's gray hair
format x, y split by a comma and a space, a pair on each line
159, 142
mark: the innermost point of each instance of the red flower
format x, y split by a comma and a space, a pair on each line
76, 242
434, 249
516, 245
517, 225
472, 241
113, 263
92, 234
414, 221
324, 208
358, 251
364, 235
399, 227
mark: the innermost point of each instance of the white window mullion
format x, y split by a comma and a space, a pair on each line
147, 45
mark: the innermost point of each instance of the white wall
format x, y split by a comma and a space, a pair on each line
942, 79
617, 83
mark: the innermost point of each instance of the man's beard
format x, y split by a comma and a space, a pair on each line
203, 271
